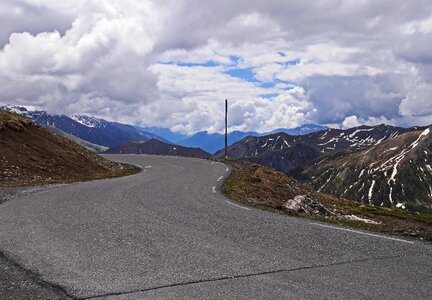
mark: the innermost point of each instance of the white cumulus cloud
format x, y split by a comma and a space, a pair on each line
172, 63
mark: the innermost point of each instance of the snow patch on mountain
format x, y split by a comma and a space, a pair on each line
88, 121
370, 194
22, 110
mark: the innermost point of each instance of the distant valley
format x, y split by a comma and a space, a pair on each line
212, 142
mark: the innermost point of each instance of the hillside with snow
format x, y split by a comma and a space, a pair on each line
286, 153
394, 173
87, 128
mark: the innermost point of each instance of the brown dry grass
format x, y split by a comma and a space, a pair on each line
13, 121
267, 189
30, 155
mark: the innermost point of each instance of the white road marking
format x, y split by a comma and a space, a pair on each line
214, 189
147, 167
237, 205
364, 233
227, 169
220, 178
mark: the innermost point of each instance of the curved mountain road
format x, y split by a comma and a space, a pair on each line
167, 233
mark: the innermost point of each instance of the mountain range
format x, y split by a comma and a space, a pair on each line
94, 130
98, 134
379, 165
301, 130
285, 152
396, 172
156, 147
212, 142
165, 133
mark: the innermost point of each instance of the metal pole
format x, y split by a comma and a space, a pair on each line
226, 128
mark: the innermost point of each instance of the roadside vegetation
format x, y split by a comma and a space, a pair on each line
264, 188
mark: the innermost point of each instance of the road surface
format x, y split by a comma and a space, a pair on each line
167, 233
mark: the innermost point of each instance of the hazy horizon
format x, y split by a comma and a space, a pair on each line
230, 131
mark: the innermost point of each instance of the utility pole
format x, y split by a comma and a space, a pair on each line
226, 128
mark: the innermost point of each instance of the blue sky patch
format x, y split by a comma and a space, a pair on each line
267, 85
291, 62
268, 96
186, 64
234, 58
245, 74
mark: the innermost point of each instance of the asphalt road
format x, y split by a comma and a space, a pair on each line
167, 233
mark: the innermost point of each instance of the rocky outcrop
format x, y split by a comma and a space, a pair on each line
304, 204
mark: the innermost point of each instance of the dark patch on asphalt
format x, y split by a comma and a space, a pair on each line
246, 276
16, 282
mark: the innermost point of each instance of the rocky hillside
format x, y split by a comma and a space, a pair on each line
30, 155
156, 147
396, 172
286, 153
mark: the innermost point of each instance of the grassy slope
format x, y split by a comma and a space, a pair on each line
264, 188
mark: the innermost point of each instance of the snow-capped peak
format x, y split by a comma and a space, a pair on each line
22, 110
88, 121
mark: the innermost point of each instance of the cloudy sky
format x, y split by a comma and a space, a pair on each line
281, 63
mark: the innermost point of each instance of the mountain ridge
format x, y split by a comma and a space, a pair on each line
94, 130
213, 142
396, 172
109, 134
328, 160
156, 147
286, 152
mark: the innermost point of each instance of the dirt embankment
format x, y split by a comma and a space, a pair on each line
31, 155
